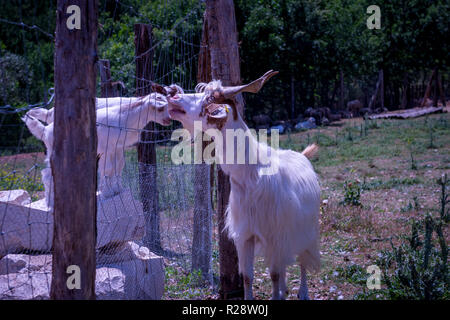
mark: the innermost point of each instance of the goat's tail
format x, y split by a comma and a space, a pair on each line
35, 126
310, 151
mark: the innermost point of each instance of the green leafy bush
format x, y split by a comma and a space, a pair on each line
352, 193
417, 268
10, 180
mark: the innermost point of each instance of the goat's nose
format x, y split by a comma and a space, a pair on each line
175, 97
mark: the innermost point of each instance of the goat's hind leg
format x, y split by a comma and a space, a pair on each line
246, 254
283, 288
303, 291
277, 275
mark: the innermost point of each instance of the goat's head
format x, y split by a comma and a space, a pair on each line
157, 101
212, 104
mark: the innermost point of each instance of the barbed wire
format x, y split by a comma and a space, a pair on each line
8, 109
33, 27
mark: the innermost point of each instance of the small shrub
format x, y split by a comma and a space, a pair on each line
353, 273
183, 285
352, 193
417, 268
431, 144
10, 180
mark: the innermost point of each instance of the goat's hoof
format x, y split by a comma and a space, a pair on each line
303, 296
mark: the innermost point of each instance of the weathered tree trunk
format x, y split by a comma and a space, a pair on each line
202, 237
146, 148
428, 89
377, 91
404, 102
224, 51
333, 96
441, 90
341, 91
105, 79
292, 97
107, 86
381, 75
435, 94
74, 156
324, 93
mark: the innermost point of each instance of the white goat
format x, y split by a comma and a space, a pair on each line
44, 133
275, 215
118, 127
47, 115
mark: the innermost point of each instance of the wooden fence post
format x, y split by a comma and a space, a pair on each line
108, 87
146, 148
105, 79
74, 155
224, 54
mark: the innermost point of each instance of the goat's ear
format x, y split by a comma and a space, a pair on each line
174, 89
217, 112
159, 89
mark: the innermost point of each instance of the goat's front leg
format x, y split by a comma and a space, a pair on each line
246, 256
283, 288
47, 179
278, 277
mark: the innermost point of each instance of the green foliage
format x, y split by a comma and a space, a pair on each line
309, 42
10, 180
174, 23
390, 183
15, 76
352, 273
182, 285
352, 193
418, 267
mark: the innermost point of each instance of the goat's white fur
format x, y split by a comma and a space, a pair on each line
114, 116
44, 133
276, 216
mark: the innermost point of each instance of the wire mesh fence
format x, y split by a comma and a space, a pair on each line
154, 220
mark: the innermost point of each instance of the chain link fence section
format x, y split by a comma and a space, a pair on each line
139, 255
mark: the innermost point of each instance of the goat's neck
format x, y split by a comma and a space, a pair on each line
138, 117
234, 169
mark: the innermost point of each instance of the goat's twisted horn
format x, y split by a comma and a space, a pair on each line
252, 87
200, 87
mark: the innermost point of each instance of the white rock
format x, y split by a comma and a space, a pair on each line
131, 273
39, 205
20, 197
24, 228
119, 219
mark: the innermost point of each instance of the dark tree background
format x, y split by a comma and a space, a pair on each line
310, 42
